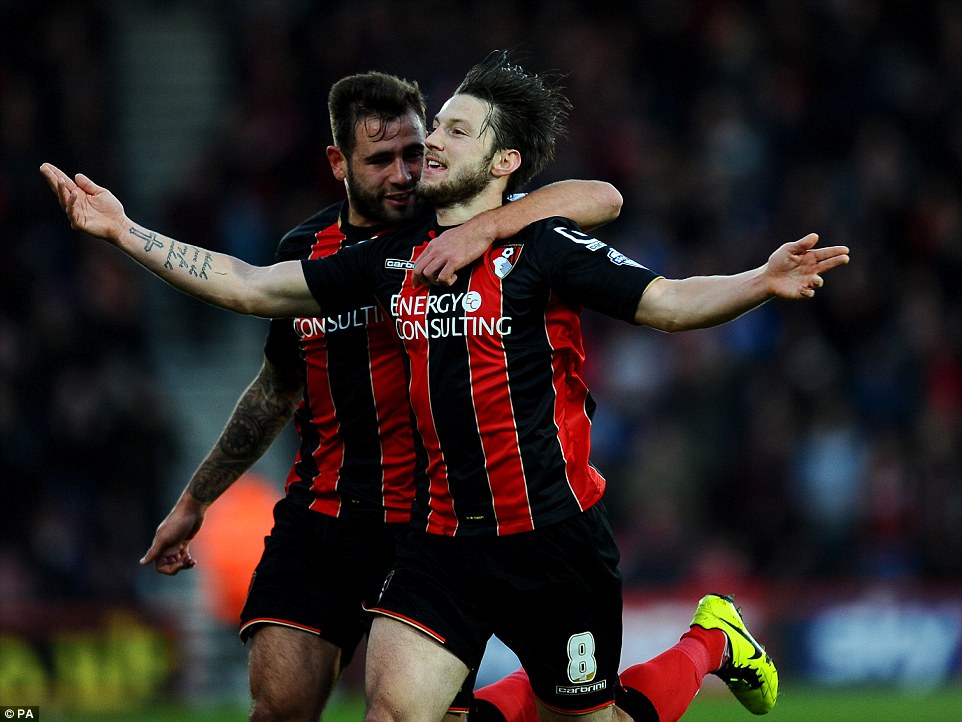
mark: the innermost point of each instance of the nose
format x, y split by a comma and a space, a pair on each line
434, 138
401, 172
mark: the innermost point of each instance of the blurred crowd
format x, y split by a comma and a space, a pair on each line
803, 441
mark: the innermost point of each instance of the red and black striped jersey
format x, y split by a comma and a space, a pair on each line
496, 368
358, 454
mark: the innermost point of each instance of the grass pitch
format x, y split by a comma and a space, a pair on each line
809, 704
818, 704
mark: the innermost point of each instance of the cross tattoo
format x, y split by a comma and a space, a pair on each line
150, 238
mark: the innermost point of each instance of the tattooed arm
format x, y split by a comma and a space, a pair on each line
276, 291
260, 414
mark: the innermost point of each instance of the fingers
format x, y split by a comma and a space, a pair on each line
805, 243
420, 277
818, 260
170, 564
427, 266
434, 272
86, 184
50, 174
823, 254
832, 262
169, 567
151, 554
61, 185
446, 277
56, 177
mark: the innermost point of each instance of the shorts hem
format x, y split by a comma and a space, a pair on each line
246, 628
406, 620
587, 710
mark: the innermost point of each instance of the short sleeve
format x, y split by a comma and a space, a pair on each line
585, 271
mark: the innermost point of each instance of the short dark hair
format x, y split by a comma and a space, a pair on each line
527, 112
356, 98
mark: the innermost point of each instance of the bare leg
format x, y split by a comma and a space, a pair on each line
291, 673
602, 715
410, 677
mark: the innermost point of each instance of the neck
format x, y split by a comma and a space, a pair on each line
459, 213
357, 220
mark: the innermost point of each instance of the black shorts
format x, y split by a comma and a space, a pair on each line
318, 572
553, 596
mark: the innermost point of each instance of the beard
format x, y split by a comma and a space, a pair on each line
372, 206
459, 188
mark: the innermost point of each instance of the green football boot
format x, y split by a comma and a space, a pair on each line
749, 672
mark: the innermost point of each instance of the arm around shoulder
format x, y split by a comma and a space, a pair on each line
590, 203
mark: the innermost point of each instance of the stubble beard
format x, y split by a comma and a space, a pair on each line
373, 207
458, 189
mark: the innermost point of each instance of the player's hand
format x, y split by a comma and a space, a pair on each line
451, 251
170, 550
90, 208
795, 269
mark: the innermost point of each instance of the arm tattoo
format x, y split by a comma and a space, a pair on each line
150, 239
188, 257
260, 415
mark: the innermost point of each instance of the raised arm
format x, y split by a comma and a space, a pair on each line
589, 203
221, 280
261, 412
793, 271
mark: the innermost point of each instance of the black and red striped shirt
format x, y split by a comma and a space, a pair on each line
358, 454
495, 366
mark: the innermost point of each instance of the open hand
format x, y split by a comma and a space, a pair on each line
90, 208
795, 269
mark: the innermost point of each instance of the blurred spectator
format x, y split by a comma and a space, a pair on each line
84, 438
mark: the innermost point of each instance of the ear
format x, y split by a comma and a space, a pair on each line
505, 163
338, 162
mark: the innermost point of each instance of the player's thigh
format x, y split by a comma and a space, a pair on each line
409, 676
316, 573
292, 669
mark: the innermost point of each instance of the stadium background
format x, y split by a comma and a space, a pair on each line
806, 457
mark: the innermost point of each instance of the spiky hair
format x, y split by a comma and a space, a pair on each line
527, 112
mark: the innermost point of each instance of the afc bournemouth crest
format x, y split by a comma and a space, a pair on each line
503, 262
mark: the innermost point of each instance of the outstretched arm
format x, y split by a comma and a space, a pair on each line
262, 411
271, 292
589, 203
793, 271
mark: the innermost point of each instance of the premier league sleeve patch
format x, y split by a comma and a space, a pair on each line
620, 259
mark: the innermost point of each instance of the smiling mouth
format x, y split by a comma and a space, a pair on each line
433, 163
405, 197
